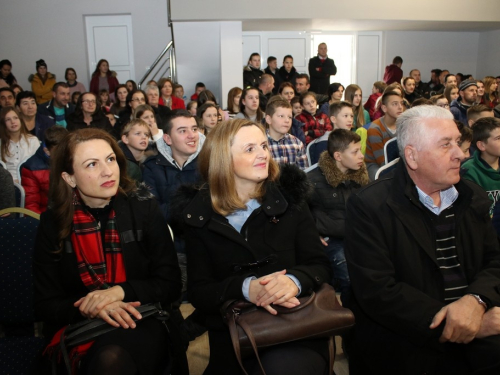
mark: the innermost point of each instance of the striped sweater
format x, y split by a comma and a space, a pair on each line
378, 135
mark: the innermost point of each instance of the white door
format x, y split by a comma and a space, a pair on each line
110, 38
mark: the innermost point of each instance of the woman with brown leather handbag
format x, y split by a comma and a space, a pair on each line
250, 235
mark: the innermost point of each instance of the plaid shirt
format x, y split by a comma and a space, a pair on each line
288, 150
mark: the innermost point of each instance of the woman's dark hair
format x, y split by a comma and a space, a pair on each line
60, 193
287, 57
102, 91
120, 86
76, 93
235, 91
334, 87
205, 96
79, 107
134, 85
66, 73
131, 94
283, 85
252, 55
260, 114
97, 72
201, 110
10, 79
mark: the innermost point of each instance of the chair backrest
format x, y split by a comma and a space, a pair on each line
17, 236
20, 195
391, 150
316, 147
311, 167
386, 168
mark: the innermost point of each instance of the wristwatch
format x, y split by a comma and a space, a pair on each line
479, 300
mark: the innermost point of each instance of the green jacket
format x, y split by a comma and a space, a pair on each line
489, 179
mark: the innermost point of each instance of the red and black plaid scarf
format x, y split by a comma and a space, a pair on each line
97, 268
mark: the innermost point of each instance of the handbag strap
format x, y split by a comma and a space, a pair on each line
251, 338
235, 339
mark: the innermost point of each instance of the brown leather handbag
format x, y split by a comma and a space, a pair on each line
318, 315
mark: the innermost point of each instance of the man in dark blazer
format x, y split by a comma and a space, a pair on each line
320, 70
424, 261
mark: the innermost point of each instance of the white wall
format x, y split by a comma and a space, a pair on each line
426, 50
203, 51
488, 54
54, 30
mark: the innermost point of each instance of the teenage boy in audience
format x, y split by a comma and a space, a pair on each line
342, 117
176, 161
285, 148
200, 86
59, 108
35, 172
465, 138
381, 130
339, 173
483, 167
272, 69
478, 111
467, 98
377, 91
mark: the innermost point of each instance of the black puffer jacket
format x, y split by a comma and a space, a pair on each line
251, 76
332, 188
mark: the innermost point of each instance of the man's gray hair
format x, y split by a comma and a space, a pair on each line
409, 129
151, 87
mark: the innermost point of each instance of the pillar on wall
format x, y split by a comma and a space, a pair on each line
209, 52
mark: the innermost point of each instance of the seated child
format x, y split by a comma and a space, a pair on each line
200, 86
35, 172
135, 141
296, 106
340, 172
285, 148
377, 90
465, 138
477, 111
342, 117
316, 123
483, 167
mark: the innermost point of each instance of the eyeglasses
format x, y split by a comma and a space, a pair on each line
89, 101
142, 100
443, 105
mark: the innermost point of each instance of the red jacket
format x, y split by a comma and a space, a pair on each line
35, 181
370, 104
314, 126
112, 82
392, 74
176, 103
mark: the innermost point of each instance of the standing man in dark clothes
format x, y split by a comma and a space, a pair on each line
320, 70
272, 69
393, 72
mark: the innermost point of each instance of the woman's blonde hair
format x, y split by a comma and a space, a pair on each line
215, 163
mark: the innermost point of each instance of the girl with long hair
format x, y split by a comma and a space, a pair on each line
354, 95
233, 101
249, 105
16, 143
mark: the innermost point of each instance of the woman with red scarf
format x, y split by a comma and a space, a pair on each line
102, 250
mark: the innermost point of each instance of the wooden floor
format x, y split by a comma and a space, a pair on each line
199, 352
